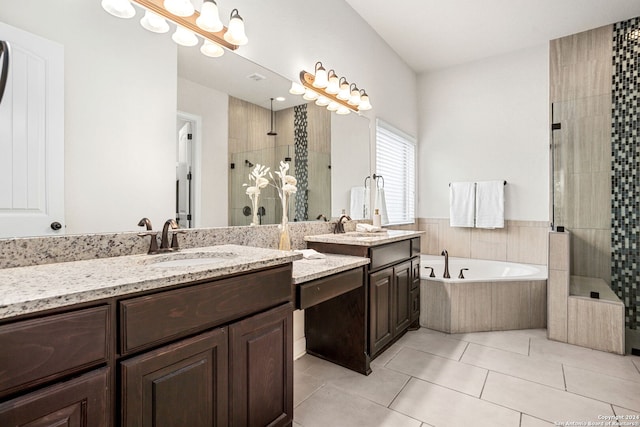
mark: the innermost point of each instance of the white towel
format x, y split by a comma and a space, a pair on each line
490, 204
462, 198
359, 203
381, 205
310, 254
368, 228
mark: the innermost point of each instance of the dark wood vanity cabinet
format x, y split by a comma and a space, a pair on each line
215, 353
393, 281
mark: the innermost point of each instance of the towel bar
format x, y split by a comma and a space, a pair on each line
505, 183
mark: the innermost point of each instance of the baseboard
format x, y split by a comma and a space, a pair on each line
299, 348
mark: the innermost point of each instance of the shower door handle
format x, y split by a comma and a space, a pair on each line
4, 53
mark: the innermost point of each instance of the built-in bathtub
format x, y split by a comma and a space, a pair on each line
493, 296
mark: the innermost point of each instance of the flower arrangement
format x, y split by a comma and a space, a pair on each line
257, 178
286, 186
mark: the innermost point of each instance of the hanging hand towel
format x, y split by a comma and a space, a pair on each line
490, 204
461, 204
381, 205
359, 203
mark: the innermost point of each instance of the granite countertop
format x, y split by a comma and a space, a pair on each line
305, 270
30, 289
364, 239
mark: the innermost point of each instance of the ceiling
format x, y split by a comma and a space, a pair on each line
430, 34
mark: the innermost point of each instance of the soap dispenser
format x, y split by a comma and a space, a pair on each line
377, 221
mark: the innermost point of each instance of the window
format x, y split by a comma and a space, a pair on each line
396, 163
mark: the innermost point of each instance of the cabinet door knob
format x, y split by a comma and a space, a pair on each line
55, 225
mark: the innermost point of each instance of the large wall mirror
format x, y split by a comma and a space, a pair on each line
139, 97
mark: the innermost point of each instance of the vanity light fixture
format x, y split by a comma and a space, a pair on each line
330, 91
190, 24
296, 89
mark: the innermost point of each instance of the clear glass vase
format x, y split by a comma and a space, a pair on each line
285, 239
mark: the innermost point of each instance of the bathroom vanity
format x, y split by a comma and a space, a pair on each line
200, 337
391, 297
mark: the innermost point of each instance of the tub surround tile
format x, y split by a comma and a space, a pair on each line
489, 244
441, 406
603, 387
331, 406
542, 401
527, 244
438, 370
517, 365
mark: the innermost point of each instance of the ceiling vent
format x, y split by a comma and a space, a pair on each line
256, 77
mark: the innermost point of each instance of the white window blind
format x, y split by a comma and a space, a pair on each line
396, 162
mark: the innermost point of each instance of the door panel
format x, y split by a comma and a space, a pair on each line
402, 304
380, 313
32, 136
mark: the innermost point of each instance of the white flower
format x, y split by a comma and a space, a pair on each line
262, 182
288, 179
289, 189
252, 191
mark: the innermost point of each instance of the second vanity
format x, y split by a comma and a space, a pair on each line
199, 337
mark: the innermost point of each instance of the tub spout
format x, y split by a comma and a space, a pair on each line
446, 264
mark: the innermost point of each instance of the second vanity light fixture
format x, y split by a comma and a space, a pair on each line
189, 23
331, 91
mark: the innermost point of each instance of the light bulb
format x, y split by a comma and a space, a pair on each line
154, 23
310, 95
179, 7
211, 49
184, 37
235, 33
296, 89
333, 106
342, 110
333, 86
321, 80
364, 102
343, 94
119, 8
209, 19
354, 99
323, 101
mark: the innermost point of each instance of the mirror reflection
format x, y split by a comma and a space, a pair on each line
124, 159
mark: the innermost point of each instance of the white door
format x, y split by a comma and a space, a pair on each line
31, 135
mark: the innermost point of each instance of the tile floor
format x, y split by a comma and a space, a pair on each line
509, 378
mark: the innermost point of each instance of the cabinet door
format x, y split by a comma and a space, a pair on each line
80, 402
182, 384
261, 369
380, 313
402, 304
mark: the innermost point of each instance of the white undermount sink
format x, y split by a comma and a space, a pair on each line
186, 259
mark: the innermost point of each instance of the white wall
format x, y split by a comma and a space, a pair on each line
213, 108
487, 120
120, 97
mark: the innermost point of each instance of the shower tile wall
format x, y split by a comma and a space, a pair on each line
625, 211
581, 96
301, 144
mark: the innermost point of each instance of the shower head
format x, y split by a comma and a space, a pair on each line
248, 163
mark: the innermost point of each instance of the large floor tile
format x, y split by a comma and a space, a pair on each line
623, 412
514, 364
330, 406
580, 357
541, 401
386, 355
304, 385
434, 343
439, 370
440, 406
503, 340
325, 370
636, 361
529, 421
381, 386
603, 387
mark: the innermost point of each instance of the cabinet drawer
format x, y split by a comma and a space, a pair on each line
389, 254
155, 319
321, 290
39, 350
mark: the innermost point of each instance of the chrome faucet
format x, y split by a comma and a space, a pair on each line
164, 243
322, 217
446, 264
339, 228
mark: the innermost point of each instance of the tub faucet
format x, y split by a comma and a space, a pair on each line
446, 264
164, 243
339, 228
